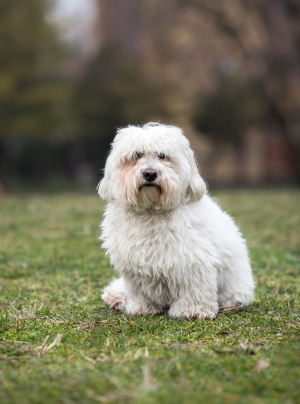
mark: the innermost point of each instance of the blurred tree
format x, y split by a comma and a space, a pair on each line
114, 93
226, 113
34, 94
266, 34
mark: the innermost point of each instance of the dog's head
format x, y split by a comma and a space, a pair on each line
151, 167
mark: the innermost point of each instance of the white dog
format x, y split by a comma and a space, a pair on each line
174, 247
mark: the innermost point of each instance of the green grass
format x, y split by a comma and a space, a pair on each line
59, 343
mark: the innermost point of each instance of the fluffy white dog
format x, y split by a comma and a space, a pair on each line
174, 247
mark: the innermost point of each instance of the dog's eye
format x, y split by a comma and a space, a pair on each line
162, 156
138, 155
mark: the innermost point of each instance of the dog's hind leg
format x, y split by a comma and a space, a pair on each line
114, 294
236, 285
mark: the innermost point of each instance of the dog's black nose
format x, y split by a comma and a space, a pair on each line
149, 174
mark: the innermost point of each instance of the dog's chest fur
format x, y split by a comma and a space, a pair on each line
156, 245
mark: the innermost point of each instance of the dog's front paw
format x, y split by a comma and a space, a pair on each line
136, 307
199, 311
115, 299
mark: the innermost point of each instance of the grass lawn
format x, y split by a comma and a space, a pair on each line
59, 343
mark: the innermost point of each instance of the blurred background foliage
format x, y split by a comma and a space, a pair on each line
228, 72
237, 105
34, 93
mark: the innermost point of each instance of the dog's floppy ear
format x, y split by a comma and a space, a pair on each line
105, 185
197, 186
104, 190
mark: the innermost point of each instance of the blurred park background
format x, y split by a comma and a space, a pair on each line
72, 71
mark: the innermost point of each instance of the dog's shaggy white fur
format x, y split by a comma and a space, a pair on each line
174, 247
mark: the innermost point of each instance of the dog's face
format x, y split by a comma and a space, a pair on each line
151, 168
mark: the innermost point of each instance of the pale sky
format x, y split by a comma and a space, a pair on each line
75, 17
73, 8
